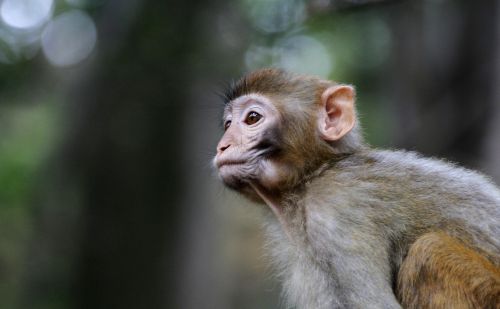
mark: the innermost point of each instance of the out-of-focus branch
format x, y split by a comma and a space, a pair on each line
320, 6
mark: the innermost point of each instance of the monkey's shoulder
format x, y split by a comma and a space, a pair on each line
408, 167
377, 176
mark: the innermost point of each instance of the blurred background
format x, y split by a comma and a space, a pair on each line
109, 117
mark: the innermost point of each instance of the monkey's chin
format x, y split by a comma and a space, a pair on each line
266, 173
235, 176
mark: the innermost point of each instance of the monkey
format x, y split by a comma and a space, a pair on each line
350, 225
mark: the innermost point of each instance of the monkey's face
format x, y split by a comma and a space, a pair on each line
249, 150
279, 129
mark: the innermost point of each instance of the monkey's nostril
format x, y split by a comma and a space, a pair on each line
223, 147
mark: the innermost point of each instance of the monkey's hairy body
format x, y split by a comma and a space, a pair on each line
355, 227
357, 232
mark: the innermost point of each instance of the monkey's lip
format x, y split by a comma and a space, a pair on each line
226, 162
230, 162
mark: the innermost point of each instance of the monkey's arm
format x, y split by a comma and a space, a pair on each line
440, 271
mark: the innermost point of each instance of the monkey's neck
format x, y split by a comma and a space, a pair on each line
285, 203
276, 204
272, 200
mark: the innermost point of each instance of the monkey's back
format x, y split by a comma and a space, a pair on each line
408, 195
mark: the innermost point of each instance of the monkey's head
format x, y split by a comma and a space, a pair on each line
280, 127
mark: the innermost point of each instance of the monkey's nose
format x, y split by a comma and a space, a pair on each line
223, 147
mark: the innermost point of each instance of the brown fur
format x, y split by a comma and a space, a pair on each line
277, 83
440, 272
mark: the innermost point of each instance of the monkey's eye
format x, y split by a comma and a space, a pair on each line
227, 124
252, 118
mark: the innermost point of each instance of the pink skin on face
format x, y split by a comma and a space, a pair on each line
239, 160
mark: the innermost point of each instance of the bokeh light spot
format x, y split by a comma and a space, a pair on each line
25, 14
69, 38
304, 54
258, 57
276, 15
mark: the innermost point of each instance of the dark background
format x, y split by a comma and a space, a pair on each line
109, 117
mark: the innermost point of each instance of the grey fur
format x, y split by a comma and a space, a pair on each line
354, 223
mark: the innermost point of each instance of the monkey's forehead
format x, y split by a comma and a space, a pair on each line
250, 99
246, 99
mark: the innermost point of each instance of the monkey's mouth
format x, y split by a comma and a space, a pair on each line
229, 162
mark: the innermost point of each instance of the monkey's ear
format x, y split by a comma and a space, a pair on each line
337, 115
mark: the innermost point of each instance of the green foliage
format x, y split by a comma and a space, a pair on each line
27, 134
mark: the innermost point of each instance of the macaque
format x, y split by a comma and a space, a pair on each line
352, 226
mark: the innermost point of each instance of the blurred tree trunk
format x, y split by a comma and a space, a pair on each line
443, 81
127, 158
444, 76
332, 5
